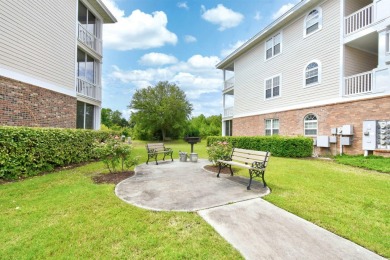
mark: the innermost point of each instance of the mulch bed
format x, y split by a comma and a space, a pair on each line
113, 178
213, 168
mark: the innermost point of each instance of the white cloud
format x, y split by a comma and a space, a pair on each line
157, 59
196, 76
139, 30
222, 16
183, 5
282, 10
231, 48
189, 38
258, 16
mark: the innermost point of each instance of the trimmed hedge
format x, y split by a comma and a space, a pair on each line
280, 146
28, 151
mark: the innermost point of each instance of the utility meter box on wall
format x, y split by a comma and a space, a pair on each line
369, 135
323, 141
347, 130
345, 140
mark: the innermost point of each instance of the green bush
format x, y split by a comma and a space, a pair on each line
280, 146
28, 151
115, 153
219, 150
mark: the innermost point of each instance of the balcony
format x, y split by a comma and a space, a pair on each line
89, 39
89, 89
228, 112
359, 19
359, 84
229, 83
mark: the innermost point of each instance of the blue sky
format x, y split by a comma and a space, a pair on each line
177, 41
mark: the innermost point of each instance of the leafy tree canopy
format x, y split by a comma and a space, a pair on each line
207, 126
113, 118
163, 107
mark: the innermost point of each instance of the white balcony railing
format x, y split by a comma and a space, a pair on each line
89, 89
229, 83
89, 39
359, 84
359, 19
228, 112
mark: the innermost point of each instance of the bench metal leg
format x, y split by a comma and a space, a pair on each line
220, 167
156, 159
171, 156
250, 180
265, 184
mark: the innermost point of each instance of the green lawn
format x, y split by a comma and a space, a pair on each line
66, 215
376, 163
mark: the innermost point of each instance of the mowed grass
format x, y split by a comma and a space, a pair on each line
376, 163
66, 215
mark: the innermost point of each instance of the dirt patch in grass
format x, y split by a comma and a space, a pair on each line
113, 178
213, 168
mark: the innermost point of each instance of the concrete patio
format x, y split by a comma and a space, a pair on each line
256, 228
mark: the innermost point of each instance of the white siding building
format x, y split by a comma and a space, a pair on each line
50, 62
321, 66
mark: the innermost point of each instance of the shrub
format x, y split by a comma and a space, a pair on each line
28, 151
114, 153
219, 150
280, 146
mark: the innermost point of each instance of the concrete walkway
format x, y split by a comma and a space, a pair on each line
256, 228
184, 186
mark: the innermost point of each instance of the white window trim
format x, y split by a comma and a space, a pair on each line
319, 74
265, 46
280, 87
272, 126
319, 9
304, 121
388, 42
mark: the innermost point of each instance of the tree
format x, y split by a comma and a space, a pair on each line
113, 118
163, 107
207, 126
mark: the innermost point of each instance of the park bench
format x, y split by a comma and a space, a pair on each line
154, 149
254, 161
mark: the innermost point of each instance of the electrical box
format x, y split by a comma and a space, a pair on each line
339, 130
345, 140
332, 139
383, 134
347, 130
369, 135
314, 141
323, 141
333, 131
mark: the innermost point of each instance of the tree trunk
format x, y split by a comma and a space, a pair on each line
163, 131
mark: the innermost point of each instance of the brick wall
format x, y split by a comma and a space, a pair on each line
22, 104
329, 116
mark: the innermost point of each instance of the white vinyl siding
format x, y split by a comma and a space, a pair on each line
39, 40
357, 61
251, 70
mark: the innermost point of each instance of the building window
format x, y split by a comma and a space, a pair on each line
229, 128
312, 73
388, 41
310, 125
88, 68
85, 115
273, 46
313, 21
88, 20
272, 87
271, 126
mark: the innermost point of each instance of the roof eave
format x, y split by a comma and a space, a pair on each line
104, 12
258, 37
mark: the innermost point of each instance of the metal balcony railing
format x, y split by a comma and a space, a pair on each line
359, 84
89, 39
89, 89
229, 83
228, 112
359, 19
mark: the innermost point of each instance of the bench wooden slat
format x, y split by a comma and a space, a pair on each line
250, 156
245, 160
250, 151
